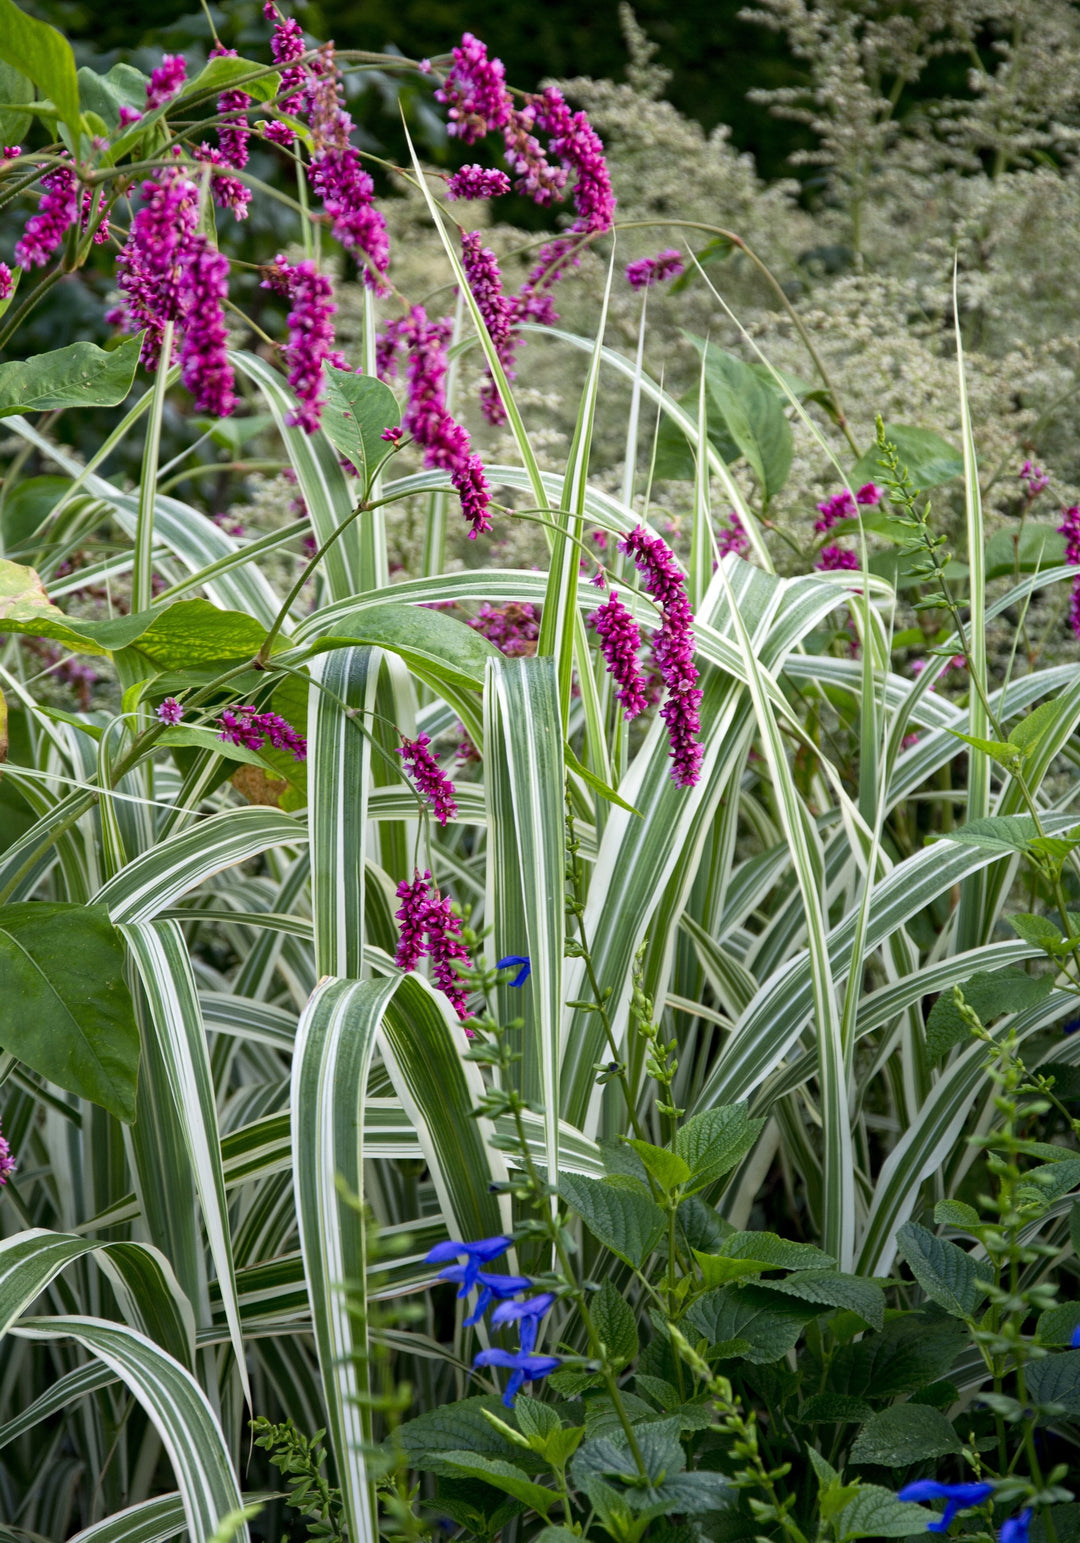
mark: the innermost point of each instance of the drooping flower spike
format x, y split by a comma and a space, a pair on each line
620, 643
7, 1162
647, 271
311, 335
673, 649
429, 777
522, 1366
957, 1497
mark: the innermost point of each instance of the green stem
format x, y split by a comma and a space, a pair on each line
142, 571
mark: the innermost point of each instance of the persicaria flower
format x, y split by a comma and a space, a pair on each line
577, 144
412, 915
957, 1497
311, 335
7, 283
150, 267
446, 444
514, 628
166, 80
170, 710
1070, 529
429, 778
732, 537
673, 649
336, 174
7, 1162
485, 282
647, 271
244, 726
56, 213
128, 115
620, 642
392, 436
204, 365
477, 182
12, 152
832, 558
228, 192
842, 506
1034, 479
430, 928
475, 92
232, 136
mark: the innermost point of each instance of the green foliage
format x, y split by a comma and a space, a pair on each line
81, 375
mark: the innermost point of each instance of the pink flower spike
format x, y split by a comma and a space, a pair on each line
673, 649
485, 282
166, 80
620, 642
392, 436
477, 182
415, 899
1070, 529
832, 558
7, 283
732, 537
840, 507
429, 778
12, 152
128, 115
475, 92
311, 334
648, 271
204, 364
170, 711
7, 1162
56, 213
446, 444
870, 494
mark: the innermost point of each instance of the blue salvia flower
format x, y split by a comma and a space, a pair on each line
526, 1315
1016, 1529
957, 1497
491, 1287
522, 1366
476, 1254
1075, 1341
523, 974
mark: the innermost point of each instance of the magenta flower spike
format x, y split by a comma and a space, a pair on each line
7, 1162
620, 642
170, 711
56, 213
166, 80
429, 778
150, 267
204, 366
446, 444
673, 649
477, 182
311, 335
485, 282
412, 915
647, 271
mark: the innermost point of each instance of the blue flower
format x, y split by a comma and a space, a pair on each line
476, 1254
524, 1368
1016, 1528
1072, 1026
956, 1497
523, 974
491, 1287
1075, 1341
526, 1315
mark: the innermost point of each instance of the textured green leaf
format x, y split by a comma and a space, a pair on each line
79, 375
615, 1323
1057, 1325
358, 408
997, 833
455, 1428
832, 1289
667, 1168
1024, 550
905, 1433
911, 1351
945, 1272
493, 1470
770, 1325
45, 55
779, 1253
1056, 1380
715, 1140
65, 1008
956, 1213
752, 413
876, 1513
833, 1408
989, 995
930, 460
623, 1219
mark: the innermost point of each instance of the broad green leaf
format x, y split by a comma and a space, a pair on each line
435, 645
624, 1219
208, 739
615, 1323
780, 1254
1056, 1380
1030, 730
222, 73
104, 94
910, 1352
1002, 751
45, 55
833, 1408
1038, 930
956, 1213
876, 1513
667, 1168
358, 408
903, 1434
1057, 1325
1026, 550
457, 1427
718, 1270
494, 1470
712, 1142
989, 995
14, 87
177, 1407
930, 460
768, 1324
79, 375
997, 833
833, 1289
752, 413
945, 1272
65, 1008
1052, 1180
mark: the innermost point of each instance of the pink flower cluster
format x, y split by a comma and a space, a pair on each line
485, 282
513, 628
170, 712
430, 929
429, 777
1070, 529
7, 1162
673, 648
204, 365
620, 641
842, 506
647, 271
335, 173
475, 92
7, 283
166, 80
228, 192
245, 726
1034, 479
56, 213
732, 537
233, 136
832, 558
446, 444
311, 334
477, 182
